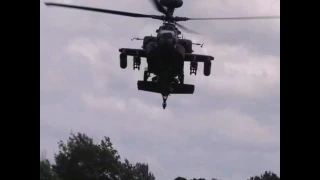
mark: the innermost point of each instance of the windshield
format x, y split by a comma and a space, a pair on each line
167, 31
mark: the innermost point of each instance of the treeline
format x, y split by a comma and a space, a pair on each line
82, 159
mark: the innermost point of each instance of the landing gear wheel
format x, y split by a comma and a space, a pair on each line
154, 79
146, 75
181, 79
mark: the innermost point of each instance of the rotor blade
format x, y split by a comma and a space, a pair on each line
101, 10
237, 18
186, 29
158, 6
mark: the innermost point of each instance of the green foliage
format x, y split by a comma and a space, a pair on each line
46, 172
180, 178
142, 172
266, 176
82, 159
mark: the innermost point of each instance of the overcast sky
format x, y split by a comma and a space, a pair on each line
229, 129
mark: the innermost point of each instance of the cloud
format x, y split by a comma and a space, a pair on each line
230, 127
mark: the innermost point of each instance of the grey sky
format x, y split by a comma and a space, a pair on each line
230, 127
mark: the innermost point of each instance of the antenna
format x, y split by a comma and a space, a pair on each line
201, 45
136, 39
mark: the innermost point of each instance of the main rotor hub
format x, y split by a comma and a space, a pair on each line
171, 4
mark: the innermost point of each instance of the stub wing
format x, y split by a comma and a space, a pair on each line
134, 52
198, 58
188, 57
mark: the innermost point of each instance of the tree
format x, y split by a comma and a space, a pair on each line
80, 158
142, 172
180, 178
46, 172
266, 176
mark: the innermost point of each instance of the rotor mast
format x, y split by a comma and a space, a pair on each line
170, 11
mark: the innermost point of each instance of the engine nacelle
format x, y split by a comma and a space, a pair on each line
147, 40
187, 44
171, 3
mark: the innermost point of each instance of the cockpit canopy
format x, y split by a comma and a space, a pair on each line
167, 29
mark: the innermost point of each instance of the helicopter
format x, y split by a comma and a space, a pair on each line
166, 52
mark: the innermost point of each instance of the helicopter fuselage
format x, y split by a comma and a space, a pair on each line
168, 59
165, 55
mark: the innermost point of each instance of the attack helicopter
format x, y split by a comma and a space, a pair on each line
166, 52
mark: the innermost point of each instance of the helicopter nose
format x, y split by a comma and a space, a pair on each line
166, 40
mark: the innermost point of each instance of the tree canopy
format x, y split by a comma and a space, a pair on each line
46, 172
268, 175
81, 159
